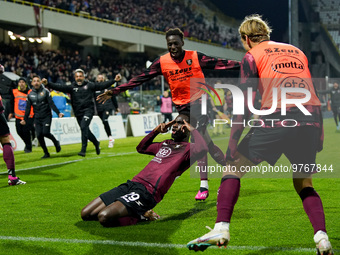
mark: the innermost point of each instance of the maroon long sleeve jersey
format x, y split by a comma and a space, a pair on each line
170, 161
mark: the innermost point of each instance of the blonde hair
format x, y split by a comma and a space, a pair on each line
255, 28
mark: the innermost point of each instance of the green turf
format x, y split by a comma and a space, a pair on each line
43, 217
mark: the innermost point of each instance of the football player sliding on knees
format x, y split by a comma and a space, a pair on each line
133, 201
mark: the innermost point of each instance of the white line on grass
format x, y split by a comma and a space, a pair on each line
144, 244
71, 161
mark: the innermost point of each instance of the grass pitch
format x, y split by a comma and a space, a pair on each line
43, 217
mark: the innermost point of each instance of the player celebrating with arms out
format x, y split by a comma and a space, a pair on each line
131, 201
178, 67
260, 69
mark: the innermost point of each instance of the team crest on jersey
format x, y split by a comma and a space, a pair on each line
85, 87
163, 152
41, 93
189, 62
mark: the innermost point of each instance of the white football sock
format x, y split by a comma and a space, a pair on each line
204, 184
222, 225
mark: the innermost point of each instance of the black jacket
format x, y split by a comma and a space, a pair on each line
42, 103
82, 97
335, 97
108, 105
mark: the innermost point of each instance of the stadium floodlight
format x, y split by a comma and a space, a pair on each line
31, 40
39, 40
22, 38
13, 37
10, 33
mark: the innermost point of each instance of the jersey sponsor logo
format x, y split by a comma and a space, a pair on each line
163, 152
287, 65
179, 71
280, 50
295, 82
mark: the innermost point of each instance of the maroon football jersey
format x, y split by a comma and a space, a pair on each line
170, 161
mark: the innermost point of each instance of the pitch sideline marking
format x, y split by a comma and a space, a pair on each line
142, 244
69, 162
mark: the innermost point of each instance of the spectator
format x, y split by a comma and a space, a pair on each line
335, 103
165, 102
61, 101
18, 107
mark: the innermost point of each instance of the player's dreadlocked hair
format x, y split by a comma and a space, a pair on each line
174, 31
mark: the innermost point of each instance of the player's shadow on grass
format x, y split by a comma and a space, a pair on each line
254, 192
265, 251
150, 233
42, 171
199, 207
16, 247
21, 162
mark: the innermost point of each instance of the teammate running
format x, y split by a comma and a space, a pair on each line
104, 110
125, 204
178, 67
40, 99
268, 65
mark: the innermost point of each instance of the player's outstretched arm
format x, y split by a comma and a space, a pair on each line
102, 98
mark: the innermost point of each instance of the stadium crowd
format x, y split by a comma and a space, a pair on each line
58, 66
157, 15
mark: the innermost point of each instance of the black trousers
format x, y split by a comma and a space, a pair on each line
104, 116
43, 129
336, 113
24, 131
84, 122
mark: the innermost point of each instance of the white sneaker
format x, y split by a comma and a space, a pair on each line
35, 142
214, 237
323, 245
111, 142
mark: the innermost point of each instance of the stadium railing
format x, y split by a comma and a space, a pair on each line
88, 16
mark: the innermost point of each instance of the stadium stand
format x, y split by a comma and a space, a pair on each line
192, 16
329, 15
